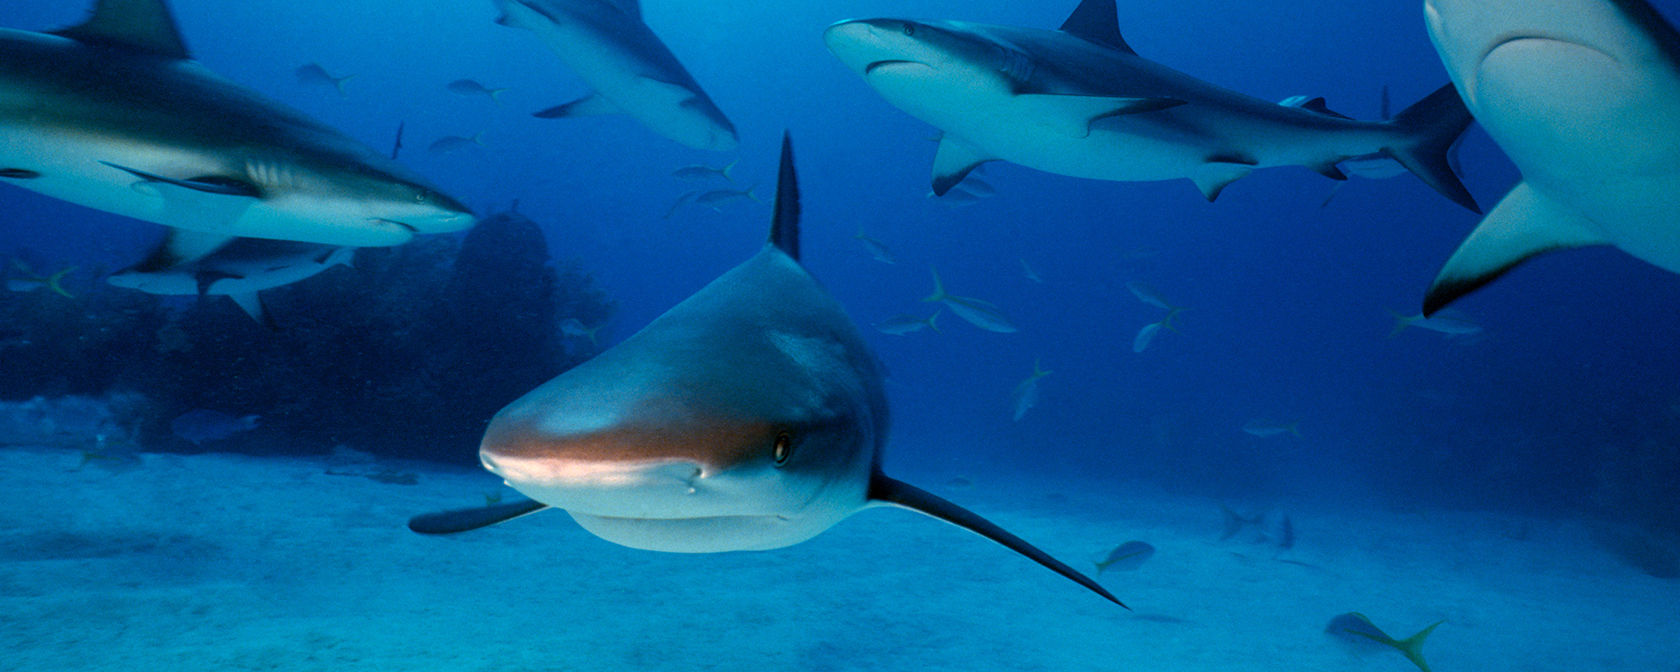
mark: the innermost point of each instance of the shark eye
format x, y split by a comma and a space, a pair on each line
783, 448
910, 30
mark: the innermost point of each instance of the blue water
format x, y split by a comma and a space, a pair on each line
1286, 297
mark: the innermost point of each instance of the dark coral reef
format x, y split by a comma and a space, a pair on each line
406, 353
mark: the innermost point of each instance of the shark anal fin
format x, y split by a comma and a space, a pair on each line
898, 493
1214, 176
953, 161
141, 25
1524, 225
463, 520
587, 106
1097, 21
784, 224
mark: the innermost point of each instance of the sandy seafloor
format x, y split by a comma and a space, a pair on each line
223, 562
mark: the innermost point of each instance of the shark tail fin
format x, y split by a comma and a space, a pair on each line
784, 224
1430, 127
886, 490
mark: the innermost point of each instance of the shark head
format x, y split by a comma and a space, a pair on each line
888, 50
750, 416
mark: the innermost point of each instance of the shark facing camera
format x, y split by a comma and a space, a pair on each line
750, 416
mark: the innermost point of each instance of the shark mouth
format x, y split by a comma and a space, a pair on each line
878, 64
1514, 38
404, 225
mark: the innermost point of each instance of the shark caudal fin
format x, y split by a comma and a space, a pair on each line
898, 493
1431, 126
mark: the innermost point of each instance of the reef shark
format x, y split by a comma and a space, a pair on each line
114, 114
238, 269
1583, 95
750, 416
1079, 101
627, 68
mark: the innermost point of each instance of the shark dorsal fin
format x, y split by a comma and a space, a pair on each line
1097, 21
140, 25
784, 227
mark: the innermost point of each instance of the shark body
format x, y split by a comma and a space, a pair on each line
114, 114
628, 69
1079, 101
750, 416
238, 270
1582, 95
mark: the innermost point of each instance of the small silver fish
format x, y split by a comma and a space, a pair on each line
1126, 557
700, 172
471, 87
1269, 428
904, 323
876, 248
1028, 271
684, 198
200, 425
454, 143
979, 313
312, 74
575, 328
1026, 393
718, 197
1148, 294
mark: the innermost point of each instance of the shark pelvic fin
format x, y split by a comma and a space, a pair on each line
1215, 175
463, 520
953, 161
885, 490
141, 25
587, 106
1524, 225
181, 246
1097, 21
784, 225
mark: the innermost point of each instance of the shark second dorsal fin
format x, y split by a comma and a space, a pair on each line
885, 490
141, 25
1097, 21
784, 225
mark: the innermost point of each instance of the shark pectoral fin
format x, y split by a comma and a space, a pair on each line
209, 184
1072, 115
19, 173
587, 106
1213, 176
898, 493
462, 520
1524, 225
252, 305
953, 161
181, 246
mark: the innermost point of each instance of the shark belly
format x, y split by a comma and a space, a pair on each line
626, 64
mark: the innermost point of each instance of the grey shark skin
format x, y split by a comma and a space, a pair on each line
626, 67
113, 114
751, 416
1582, 95
238, 270
1078, 101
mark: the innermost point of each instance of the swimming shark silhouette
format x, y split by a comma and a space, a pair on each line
1583, 96
113, 114
625, 65
751, 416
239, 269
1078, 101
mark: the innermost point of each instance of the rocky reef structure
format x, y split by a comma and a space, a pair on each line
406, 353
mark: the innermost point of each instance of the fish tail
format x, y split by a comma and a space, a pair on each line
1428, 129
338, 83
938, 287
1412, 647
53, 282
731, 178
933, 319
496, 95
1400, 323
